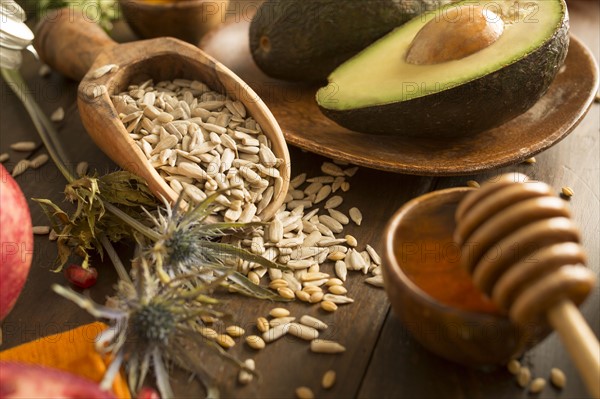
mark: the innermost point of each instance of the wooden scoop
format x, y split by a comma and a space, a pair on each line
519, 243
70, 43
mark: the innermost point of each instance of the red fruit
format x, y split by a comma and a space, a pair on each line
20, 380
80, 277
16, 241
148, 393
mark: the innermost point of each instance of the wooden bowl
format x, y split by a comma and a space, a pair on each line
187, 20
436, 299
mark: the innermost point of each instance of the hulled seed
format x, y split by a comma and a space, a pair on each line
328, 379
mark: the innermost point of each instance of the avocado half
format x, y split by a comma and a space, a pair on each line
379, 92
305, 40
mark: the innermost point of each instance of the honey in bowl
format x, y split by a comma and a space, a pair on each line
432, 261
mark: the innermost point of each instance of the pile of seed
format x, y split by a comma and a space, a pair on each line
523, 377
307, 233
202, 141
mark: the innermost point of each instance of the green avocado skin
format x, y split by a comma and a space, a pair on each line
469, 108
310, 38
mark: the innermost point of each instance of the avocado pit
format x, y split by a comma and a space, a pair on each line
455, 34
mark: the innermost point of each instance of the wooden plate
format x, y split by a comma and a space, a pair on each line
549, 121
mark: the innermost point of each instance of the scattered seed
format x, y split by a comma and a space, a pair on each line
325, 346
225, 341
373, 254
332, 169
44, 71
531, 160
313, 322
262, 324
20, 168
558, 378
255, 342
281, 320
208, 332
304, 393
567, 192
524, 377
53, 236
38, 161
245, 376
537, 385
303, 331
328, 379
41, 230
103, 70
58, 115
356, 215
279, 312
514, 366
286, 293
302, 295
334, 202
275, 333
235, 331
351, 240
339, 216
376, 281
341, 270
338, 290
4, 157
328, 306
23, 146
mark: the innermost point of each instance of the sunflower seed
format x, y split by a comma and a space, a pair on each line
4, 157
313, 322
303, 331
373, 254
281, 320
58, 115
275, 333
20, 168
23, 146
376, 281
334, 202
322, 194
331, 223
41, 230
350, 172
339, 216
103, 70
245, 376
338, 299
325, 346
341, 270
356, 216
332, 169
38, 161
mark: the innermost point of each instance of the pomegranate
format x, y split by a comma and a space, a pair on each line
16, 241
20, 380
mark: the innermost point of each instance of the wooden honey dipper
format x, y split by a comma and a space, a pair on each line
523, 251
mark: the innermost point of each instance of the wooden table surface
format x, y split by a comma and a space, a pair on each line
382, 360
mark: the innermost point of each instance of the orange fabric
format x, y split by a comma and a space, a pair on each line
72, 351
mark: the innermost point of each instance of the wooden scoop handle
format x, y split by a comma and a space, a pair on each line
69, 41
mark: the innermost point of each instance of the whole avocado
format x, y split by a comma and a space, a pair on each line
304, 40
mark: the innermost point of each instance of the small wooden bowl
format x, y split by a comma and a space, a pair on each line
187, 20
435, 299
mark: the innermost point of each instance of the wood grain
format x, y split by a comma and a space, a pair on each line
382, 360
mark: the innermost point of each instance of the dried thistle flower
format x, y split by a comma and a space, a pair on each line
153, 325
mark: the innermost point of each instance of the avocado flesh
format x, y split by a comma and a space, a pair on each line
305, 40
377, 91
